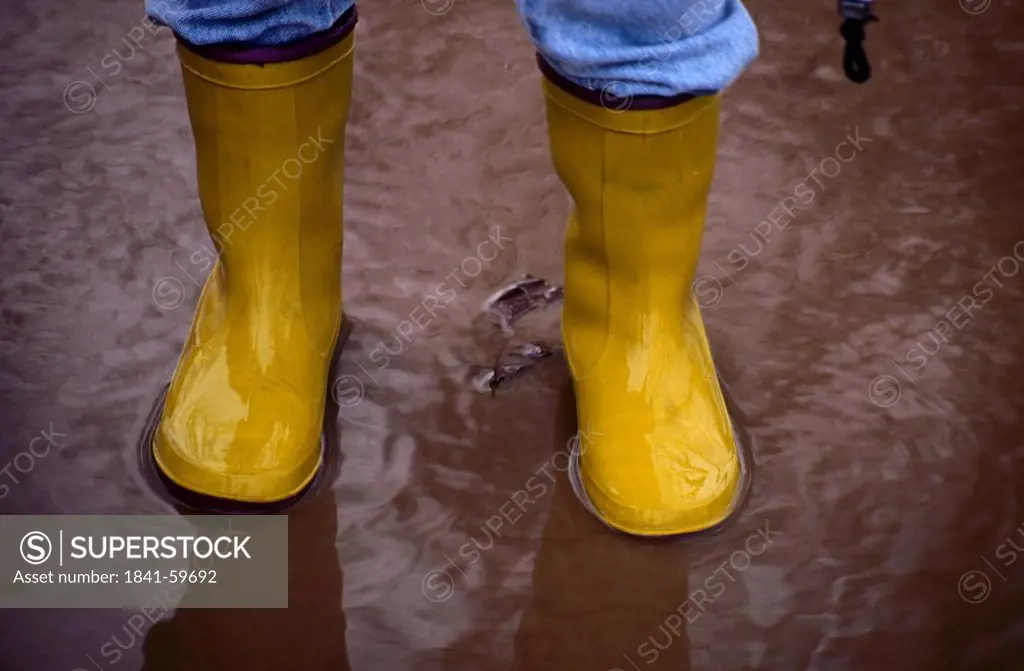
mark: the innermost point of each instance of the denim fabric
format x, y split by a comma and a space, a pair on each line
257, 22
644, 47
624, 47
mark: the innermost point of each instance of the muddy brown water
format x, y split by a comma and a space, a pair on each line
872, 340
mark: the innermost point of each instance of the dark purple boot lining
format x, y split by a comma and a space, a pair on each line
247, 54
608, 99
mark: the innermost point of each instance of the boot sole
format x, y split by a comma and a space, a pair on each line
742, 440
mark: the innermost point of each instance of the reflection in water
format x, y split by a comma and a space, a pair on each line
310, 632
308, 635
600, 601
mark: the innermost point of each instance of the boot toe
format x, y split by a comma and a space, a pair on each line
261, 449
660, 485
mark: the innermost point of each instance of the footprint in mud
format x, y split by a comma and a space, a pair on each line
508, 305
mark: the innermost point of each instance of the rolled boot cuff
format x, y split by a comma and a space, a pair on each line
607, 97
245, 54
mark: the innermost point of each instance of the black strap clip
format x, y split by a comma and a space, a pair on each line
856, 14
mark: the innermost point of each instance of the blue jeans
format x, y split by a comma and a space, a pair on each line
626, 47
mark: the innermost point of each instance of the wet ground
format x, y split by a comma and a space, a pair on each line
872, 341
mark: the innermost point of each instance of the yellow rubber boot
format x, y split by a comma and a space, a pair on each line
244, 412
657, 454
